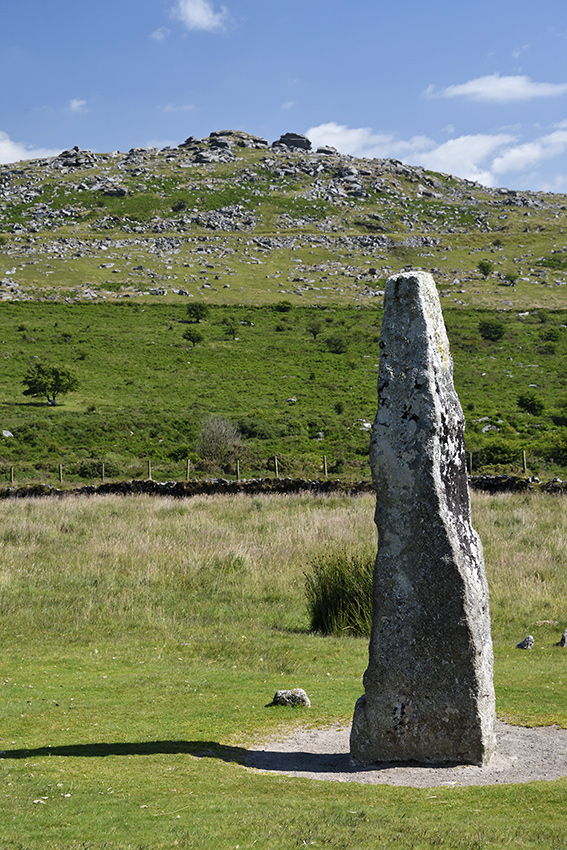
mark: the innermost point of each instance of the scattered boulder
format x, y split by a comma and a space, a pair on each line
221, 142
297, 696
114, 191
563, 639
189, 142
293, 140
217, 155
527, 643
76, 158
243, 139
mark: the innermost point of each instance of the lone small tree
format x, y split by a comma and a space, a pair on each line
230, 327
48, 382
485, 267
220, 441
314, 327
193, 336
197, 311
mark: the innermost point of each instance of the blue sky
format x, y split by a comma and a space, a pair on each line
478, 89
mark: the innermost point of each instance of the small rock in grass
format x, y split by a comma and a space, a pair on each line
527, 643
563, 639
295, 697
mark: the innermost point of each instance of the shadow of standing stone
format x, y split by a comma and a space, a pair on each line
429, 695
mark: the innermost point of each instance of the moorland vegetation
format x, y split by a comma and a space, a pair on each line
230, 278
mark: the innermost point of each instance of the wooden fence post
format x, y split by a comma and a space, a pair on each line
102, 472
11, 475
187, 471
149, 469
325, 465
276, 465
60, 473
238, 470
524, 463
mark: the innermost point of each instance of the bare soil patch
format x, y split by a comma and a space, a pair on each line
523, 755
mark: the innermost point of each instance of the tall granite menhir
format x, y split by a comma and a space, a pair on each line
429, 695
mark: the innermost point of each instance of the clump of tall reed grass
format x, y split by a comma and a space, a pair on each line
339, 592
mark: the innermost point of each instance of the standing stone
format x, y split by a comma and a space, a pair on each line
429, 689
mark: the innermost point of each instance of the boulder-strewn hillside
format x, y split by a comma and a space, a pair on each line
233, 219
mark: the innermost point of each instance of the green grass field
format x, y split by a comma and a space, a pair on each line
299, 384
142, 640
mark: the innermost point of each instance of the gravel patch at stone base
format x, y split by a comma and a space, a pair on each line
523, 755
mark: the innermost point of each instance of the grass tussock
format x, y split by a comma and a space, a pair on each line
339, 593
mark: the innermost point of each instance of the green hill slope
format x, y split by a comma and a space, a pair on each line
100, 255
233, 220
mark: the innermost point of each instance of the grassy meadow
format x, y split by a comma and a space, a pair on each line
297, 382
142, 640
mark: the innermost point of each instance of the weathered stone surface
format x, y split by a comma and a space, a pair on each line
297, 696
429, 688
293, 140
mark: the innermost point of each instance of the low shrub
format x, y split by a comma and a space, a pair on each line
253, 426
283, 306
338, 588
491, 329
337, 344
497, 452
530, 402
91, 469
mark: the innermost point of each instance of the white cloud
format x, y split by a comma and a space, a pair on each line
11, 151
200, 15
160, 34
172, 107
160, 143
357, 141
76, 104
289, 104
496, 89
465, 156
517, 53
470, 157
557, 183
482, 157
530, 154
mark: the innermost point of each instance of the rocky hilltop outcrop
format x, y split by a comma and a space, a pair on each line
323, 224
